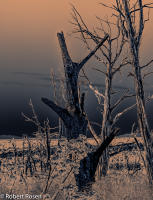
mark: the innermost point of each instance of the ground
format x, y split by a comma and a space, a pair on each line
25, 171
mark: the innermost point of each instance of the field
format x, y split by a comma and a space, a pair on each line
26, 171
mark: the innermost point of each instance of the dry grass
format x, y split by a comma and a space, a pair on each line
126, 179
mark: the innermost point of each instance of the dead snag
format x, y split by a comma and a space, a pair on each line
132, 19
73, 115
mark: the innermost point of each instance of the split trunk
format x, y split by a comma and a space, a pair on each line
73, 116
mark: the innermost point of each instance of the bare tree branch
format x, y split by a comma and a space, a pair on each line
121, 99
96, 91
92, 52
146, 65
82, 102
61, 112
107, 6
141, 22
120, 66
147, 74
144, 6
119, 53
116, 118
97, 139
100, 71
130, 74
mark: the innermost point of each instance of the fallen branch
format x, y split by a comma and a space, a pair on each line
88, 165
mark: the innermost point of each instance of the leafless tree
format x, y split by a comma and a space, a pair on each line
73, 116
113, 60
131, 16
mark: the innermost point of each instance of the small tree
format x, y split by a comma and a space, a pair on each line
113, 60
73, 116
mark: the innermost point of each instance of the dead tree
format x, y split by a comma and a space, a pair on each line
129, 14
113, 62
73, 116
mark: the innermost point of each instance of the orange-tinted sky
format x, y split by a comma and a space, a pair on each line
29, 27
29, 47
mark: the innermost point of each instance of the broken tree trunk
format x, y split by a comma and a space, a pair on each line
73, 116
88, 165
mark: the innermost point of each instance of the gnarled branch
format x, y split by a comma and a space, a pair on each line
61, 112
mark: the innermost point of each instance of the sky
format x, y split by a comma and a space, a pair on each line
29, 50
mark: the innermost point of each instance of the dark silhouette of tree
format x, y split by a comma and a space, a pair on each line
73, 116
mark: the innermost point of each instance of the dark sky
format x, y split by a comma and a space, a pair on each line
29, 50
